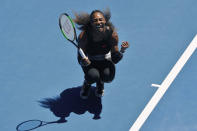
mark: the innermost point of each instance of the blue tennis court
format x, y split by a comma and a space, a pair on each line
37, 62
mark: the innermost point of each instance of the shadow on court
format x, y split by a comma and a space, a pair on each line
69, 101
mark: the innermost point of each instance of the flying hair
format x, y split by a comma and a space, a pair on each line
83, 20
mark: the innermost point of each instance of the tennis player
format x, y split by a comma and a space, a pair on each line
99, 41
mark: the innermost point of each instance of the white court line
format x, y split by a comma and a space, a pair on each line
164, 86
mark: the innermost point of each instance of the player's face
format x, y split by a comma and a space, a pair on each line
98, 22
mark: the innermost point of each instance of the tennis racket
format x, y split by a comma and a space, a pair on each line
33, 124
67, 28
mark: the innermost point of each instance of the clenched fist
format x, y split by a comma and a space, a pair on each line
85, 62
124, 46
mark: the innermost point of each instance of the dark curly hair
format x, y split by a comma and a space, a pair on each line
83, 20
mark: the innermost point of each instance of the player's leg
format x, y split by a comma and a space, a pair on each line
99, 92
92, 75
107, 72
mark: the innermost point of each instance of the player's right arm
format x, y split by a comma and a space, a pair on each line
82, 42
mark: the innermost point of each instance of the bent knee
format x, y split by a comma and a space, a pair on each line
92, 75
108, 75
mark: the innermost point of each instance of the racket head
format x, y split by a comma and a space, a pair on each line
67, 27
29, 125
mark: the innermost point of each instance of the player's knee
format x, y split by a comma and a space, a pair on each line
92, 75
107, 75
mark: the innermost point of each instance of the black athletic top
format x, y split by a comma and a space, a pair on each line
102, 47
98, 48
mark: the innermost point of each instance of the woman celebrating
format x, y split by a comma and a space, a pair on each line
99, 41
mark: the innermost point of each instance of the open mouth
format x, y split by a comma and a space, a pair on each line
99, 26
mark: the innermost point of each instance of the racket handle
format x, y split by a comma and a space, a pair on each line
82, 53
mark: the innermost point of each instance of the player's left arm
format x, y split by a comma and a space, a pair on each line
116, 54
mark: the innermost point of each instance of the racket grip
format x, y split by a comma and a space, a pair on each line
82, 53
